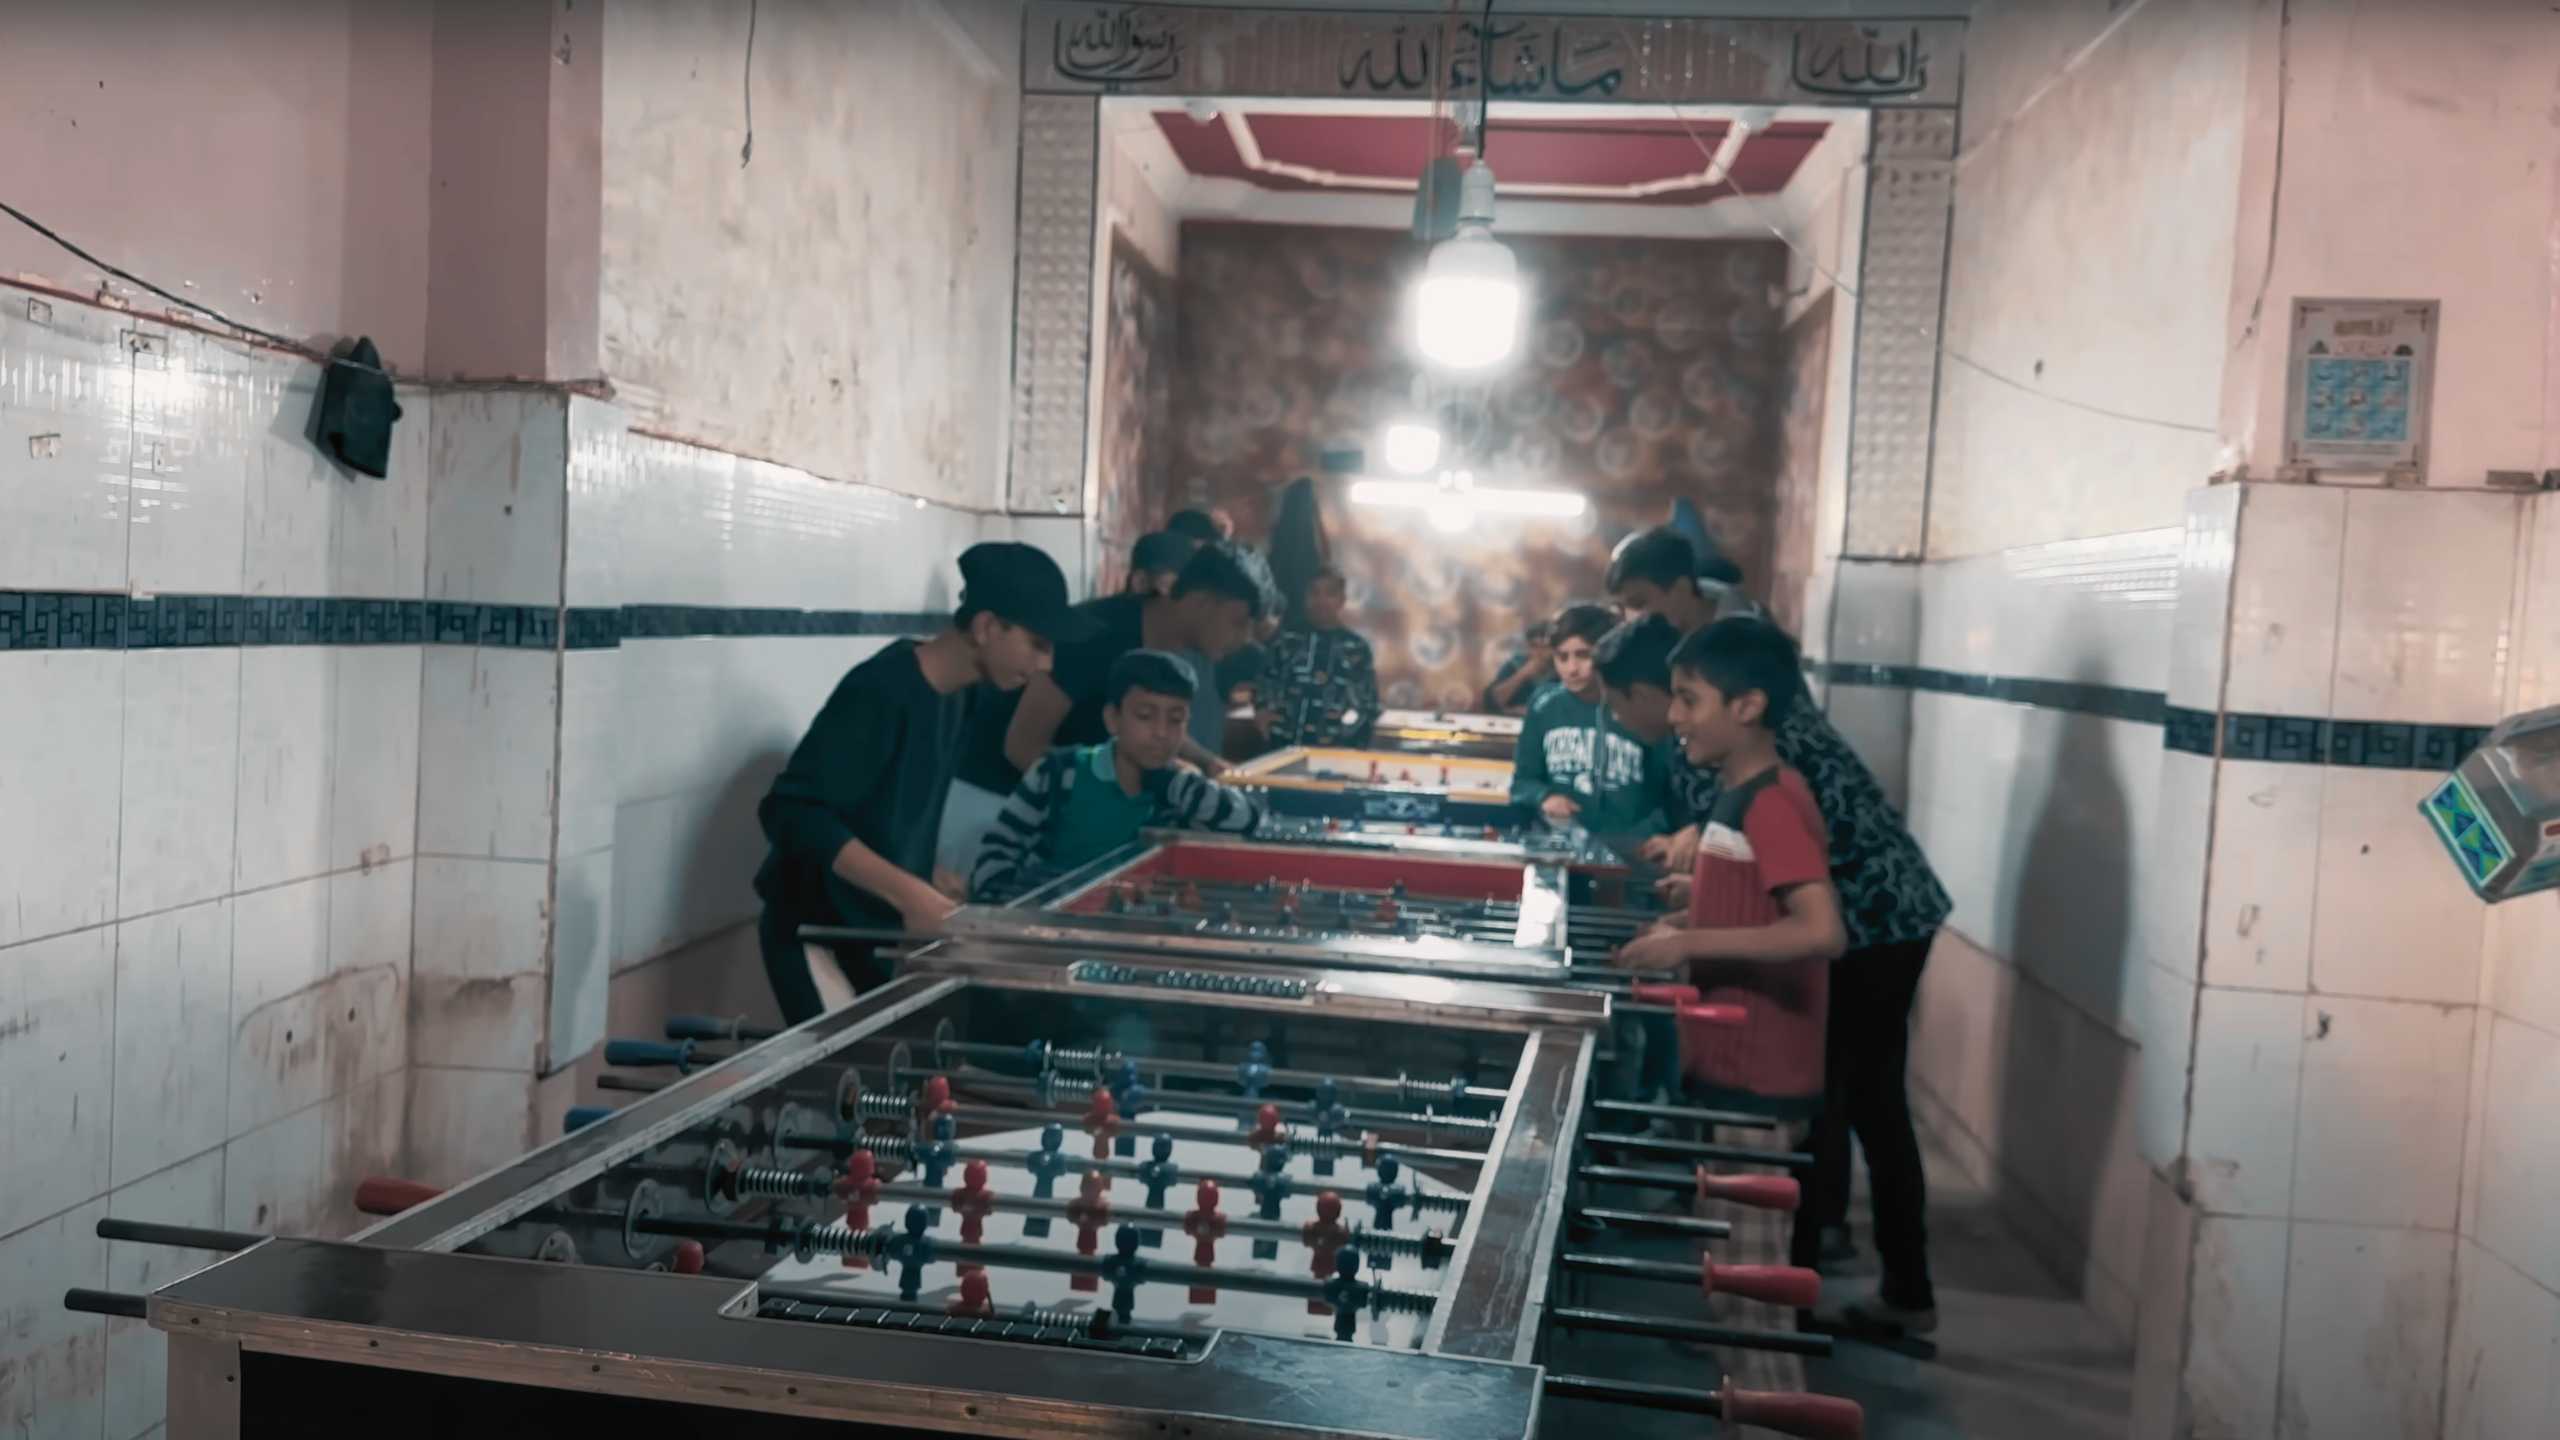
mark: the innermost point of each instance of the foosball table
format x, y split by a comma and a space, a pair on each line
1012, 1194
1455, 910
1444, 732
1381, 785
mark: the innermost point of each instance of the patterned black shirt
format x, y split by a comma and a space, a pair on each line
1888, 893
1321, 688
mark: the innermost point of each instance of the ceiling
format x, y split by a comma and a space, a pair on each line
1617, 160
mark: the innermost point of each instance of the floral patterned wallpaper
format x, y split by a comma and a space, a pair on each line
1133, 467
1651, 369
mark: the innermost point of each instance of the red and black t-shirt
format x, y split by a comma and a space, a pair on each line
1764, 837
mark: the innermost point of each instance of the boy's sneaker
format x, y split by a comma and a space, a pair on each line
1878, 1317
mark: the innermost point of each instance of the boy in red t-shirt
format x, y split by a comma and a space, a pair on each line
1764, 922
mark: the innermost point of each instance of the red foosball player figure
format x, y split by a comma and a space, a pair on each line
1090, 1210
859, 1188
974, 1298
1204, 1225
973, 1202
933, 1104
1102, 1122
1324, 1235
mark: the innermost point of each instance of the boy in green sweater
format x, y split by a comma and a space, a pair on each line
1079, 803
1575, 766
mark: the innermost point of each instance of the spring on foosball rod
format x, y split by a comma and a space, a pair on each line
883, 1105
1087, 1321
777, 1183
1066, 1057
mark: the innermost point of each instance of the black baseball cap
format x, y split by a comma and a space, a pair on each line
1021, 585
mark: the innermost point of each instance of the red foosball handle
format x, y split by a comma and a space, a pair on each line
1788, 1285
386, 1195
1759, 1192
687, 1258
1664, 992
1715, 1015
1790, 1412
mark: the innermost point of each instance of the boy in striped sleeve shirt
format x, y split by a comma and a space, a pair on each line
1080, 802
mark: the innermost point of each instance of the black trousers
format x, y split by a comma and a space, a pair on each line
786, 964
1867, 1054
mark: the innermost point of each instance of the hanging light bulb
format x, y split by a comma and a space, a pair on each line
1412, 446
1467, 308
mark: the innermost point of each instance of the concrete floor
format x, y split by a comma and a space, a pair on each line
2017, 1358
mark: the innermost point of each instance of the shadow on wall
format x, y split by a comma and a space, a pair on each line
2070, 927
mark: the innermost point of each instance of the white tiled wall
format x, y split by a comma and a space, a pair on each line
205, 854
587, 812
2353, 1088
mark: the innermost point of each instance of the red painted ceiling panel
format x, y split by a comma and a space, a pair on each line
1527, 154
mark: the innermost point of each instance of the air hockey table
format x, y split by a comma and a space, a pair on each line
1400, 787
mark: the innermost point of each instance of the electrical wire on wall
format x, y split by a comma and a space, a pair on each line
269, 338
1935, 342
747, 88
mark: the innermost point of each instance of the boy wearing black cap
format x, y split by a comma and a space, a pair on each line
1081, 802
853, 816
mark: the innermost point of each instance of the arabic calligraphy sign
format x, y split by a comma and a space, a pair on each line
1080, 47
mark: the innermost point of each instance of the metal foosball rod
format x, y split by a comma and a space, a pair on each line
1757, 1192
1664, 1327
1783, 1412
1698, 1150
1103, 1061
1198, 1103
1728, 1119
1671, 1224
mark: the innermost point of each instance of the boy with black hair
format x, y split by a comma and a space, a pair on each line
1573, 765
1211, 613
1516, 683
1658, 572
1206, 527
1892, 904
1081, 802
1634, 661
1763, 923
1321, 685
853, 817
1156, 561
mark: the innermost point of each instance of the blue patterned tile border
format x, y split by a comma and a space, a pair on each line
2111, 701
2282, 739
87, 620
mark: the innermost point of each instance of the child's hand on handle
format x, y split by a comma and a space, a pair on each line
1673, 890
1676, 852
925, 911
1559, 809
1659, 948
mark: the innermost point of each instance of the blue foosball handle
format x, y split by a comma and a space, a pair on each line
582, 1116
649, 1052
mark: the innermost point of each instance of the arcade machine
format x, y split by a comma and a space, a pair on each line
1004, 1195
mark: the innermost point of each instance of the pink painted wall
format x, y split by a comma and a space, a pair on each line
517, 128
268, 157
